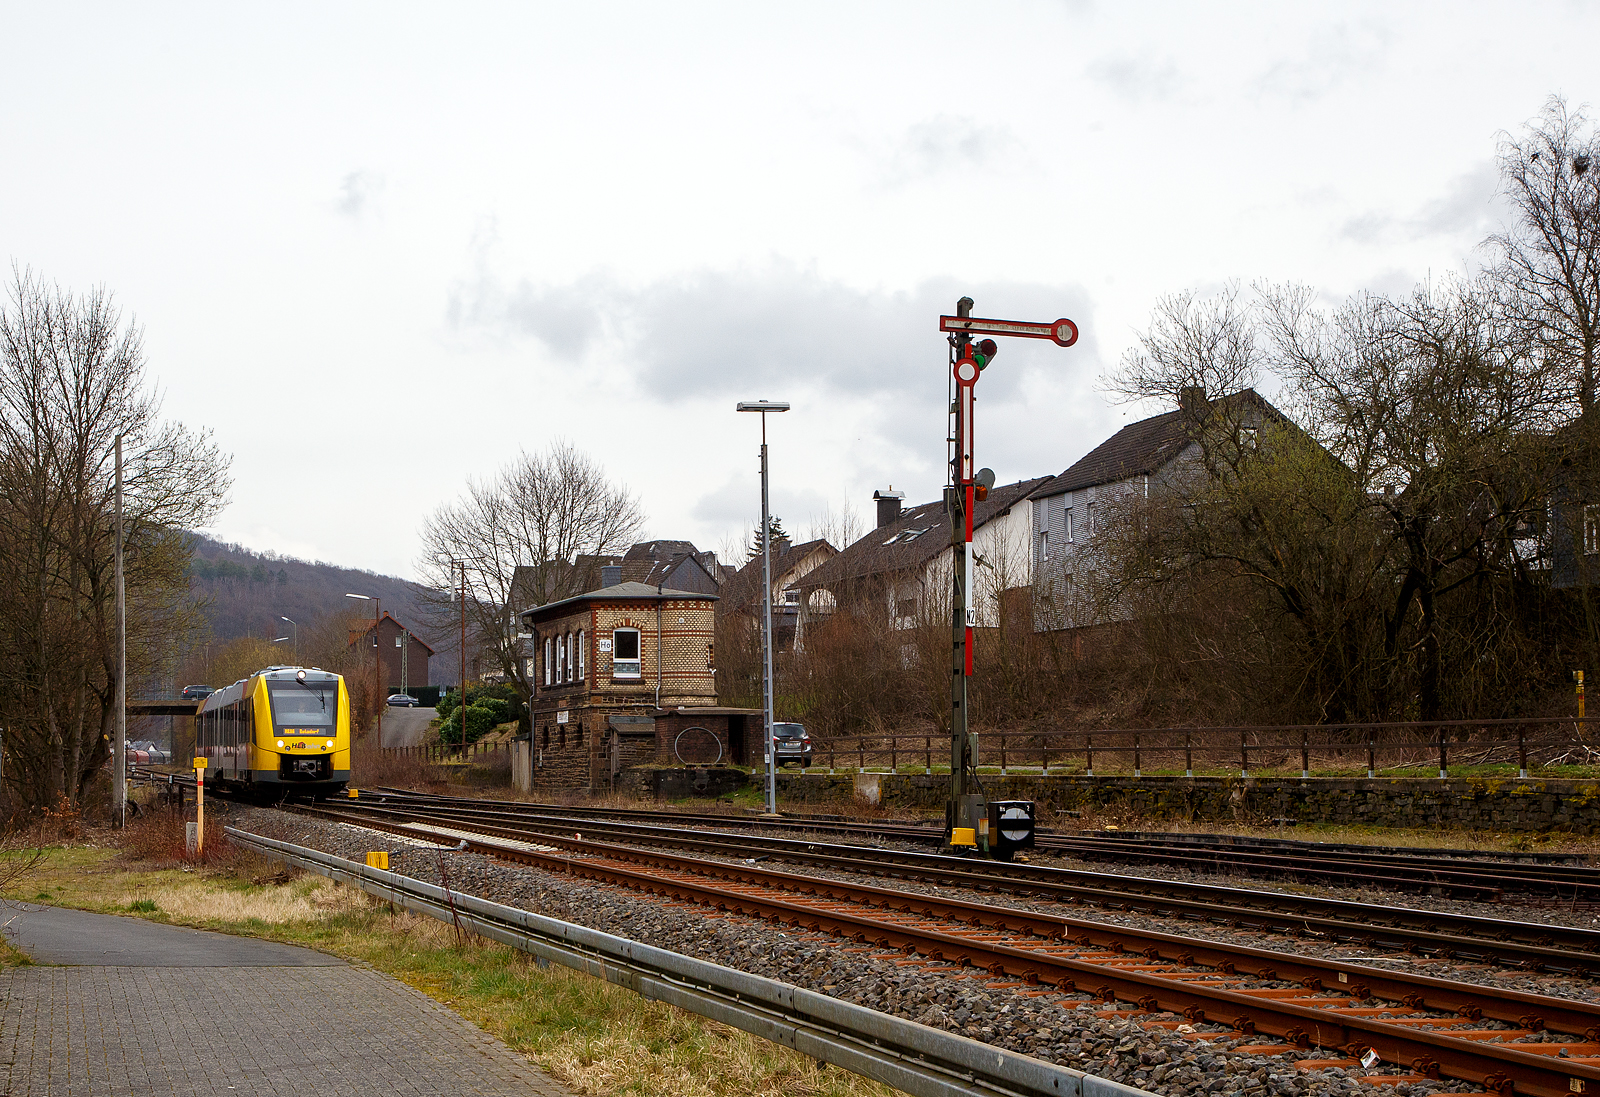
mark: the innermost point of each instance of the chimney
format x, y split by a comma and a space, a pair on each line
780, 545
888, 505
610, 575
1192, 400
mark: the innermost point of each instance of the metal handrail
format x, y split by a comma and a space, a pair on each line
909, 1056
1039, 750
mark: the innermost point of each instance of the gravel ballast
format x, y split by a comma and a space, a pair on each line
1057, 1027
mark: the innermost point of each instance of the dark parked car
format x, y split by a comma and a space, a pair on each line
197, 693
793, 744
403, 700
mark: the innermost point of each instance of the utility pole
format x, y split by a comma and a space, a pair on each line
968, 812
463, 698
119, 750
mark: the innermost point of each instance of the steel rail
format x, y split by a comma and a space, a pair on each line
1496, 941
1476, 878
1317, 1018
908, 1056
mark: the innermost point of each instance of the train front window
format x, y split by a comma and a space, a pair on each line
303, 707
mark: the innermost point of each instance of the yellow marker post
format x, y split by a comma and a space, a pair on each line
1577, 676
199, 805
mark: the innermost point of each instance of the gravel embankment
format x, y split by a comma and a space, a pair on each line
1061, 1028
1502, 978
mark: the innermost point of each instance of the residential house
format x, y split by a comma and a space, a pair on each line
402, 654
791, 563
903, 567
1070, 510
625, 675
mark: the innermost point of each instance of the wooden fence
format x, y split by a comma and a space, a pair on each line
1532, 744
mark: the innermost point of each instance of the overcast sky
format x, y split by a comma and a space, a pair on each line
379, 249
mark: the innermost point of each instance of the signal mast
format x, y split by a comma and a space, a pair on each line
973, 823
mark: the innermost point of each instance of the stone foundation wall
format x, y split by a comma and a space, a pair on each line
1500, 804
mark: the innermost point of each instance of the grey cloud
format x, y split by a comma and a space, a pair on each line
777, 332
1334, 55
1138, 80
944, 144
1467, 206
357, 193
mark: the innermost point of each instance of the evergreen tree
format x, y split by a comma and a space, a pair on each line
774, 529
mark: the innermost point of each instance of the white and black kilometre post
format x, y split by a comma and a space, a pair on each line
972, 822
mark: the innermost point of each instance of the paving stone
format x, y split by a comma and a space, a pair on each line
318, 1028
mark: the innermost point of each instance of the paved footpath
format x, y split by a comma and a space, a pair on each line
129, 1007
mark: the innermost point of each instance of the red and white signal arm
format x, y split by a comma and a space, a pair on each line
1062, 332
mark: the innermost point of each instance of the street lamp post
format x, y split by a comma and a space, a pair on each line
119, 745
296, 639
377, 656
764, 406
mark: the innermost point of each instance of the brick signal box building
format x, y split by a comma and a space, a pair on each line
626, 676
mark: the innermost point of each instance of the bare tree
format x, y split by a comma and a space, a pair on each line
1193, 345
840, 528
528, 537
72, 381
1549, 258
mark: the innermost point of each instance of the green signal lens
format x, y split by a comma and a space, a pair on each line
983, 352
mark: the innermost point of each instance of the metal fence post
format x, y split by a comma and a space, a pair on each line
1002, 754
1522, 750
1088, 756
1305, 754
1244, 753
1137, 768
894, 757
1444, 755
1188, 754
1044, 757
1372, 752
927, 754
861, 754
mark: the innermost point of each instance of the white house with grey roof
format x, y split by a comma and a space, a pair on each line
903, 566
1070, 511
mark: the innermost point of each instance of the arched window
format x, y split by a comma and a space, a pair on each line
549, 649
566, 657
583, 658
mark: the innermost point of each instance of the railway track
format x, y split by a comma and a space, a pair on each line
1502, 942
1509, 1042
1458, 874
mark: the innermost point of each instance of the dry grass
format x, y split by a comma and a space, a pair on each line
593, 1037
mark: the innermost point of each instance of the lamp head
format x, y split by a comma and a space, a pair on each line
762, 405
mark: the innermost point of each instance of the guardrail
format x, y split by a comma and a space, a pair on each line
1416, 744
908, 1056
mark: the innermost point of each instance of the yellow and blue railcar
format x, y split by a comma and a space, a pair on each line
283, 731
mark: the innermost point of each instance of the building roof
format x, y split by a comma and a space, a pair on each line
1140, 448
367, 631
744, 586
916, 537
658, 550
621, 592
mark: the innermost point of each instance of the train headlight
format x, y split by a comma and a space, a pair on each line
330, 744
280, 744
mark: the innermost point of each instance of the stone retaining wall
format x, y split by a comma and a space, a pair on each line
1505, 804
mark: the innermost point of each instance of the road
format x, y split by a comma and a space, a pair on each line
404, 727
